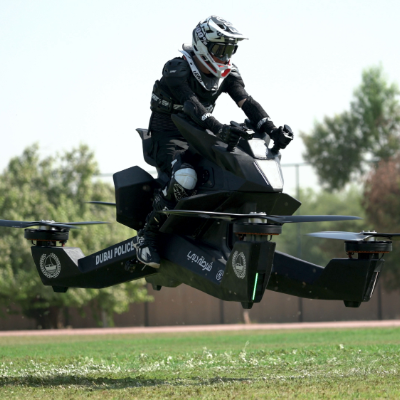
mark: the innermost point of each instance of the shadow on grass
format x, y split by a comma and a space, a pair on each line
115, 383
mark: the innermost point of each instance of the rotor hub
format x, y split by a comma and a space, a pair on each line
363, 246
45, 237
48, 227
249, 228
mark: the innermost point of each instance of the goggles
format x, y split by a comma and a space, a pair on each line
223, 51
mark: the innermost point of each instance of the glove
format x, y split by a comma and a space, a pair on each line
281, 136
230, 135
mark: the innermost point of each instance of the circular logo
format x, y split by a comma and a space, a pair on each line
50, 265
220, 274
239, 264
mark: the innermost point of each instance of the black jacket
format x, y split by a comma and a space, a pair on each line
182, 82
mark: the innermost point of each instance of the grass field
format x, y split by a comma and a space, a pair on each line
349, 363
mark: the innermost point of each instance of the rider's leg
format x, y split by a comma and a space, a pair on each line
182, 184
146, 244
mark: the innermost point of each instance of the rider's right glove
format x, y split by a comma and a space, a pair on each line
230, 135
282, 136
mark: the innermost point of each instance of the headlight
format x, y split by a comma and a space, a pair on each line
271, 172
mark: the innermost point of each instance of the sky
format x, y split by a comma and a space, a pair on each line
76, 72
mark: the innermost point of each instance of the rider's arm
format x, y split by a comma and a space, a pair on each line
252, 109
281, 136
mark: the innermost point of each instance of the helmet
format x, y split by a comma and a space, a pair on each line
216, 37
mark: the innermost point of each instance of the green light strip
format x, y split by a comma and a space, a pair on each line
255, 287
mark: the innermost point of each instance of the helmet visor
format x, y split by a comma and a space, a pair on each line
223, 51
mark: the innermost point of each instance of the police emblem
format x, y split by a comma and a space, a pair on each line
239, 264
50, 265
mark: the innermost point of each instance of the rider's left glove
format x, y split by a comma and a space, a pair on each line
230, 135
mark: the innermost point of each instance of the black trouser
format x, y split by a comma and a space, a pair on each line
167, 147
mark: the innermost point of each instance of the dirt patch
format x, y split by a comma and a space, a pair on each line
204, 328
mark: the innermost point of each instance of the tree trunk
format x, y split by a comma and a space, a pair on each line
246, 317
56, 317
46, 318
104, 319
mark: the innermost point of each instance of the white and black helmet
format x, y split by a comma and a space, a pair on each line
216, 37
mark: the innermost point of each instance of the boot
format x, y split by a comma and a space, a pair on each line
147, 238
181, 185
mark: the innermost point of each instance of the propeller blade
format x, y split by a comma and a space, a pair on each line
213, 214
199, 214
84, 223
16, 224
28, 224
56, 224
341, 235
285, 219
102, 203
354, 236
390, 236
280, 219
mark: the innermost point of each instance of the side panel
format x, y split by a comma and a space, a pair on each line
134, 189
206, 268
68, 267
342, 279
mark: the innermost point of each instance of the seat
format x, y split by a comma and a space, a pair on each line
144, 134
147, 146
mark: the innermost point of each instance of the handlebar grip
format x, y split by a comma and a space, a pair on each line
230, 147
275, 149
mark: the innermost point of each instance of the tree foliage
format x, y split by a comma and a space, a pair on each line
382, 205
56, 188
316, 250
340, 146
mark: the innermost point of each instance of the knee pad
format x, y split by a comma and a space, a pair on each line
186, 177
182, 183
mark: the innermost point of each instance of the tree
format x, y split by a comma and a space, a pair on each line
321, 251
340, 146
382, 205
56, 188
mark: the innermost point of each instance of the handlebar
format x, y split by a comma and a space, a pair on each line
244, 135
275, 148
280, 142
285, 137
230, 147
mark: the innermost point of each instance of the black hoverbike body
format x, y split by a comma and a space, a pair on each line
218, 240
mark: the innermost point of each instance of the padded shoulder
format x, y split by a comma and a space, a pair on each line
235, 72
176, 68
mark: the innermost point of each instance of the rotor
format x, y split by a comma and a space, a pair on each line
49, 232
359, 243
257, 224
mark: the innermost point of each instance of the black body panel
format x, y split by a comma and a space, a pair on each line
342, 279
134, 189
102, 269
246, 176
205, 268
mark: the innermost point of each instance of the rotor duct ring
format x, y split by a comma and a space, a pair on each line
46, 235
243, 228
368, 247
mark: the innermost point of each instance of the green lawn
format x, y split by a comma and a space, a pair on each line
351, 363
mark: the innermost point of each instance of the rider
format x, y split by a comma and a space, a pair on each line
191, 84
